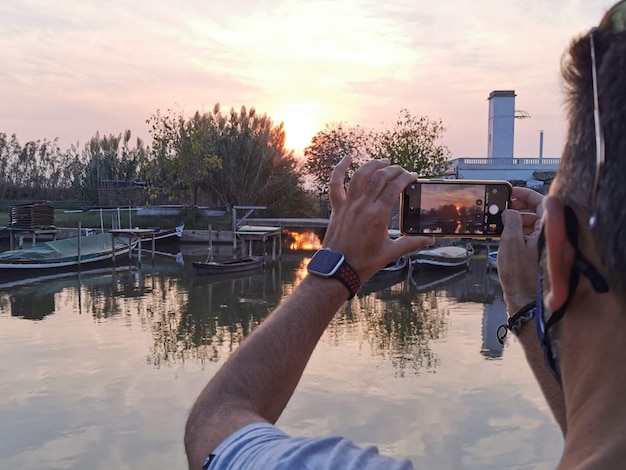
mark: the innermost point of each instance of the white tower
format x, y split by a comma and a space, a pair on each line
501, 124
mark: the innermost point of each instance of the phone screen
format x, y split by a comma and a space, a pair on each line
455, 208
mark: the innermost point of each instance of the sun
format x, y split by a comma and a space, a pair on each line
300, 126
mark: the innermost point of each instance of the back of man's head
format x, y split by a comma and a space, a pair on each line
575, 178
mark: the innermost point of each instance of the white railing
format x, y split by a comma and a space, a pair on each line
553, 162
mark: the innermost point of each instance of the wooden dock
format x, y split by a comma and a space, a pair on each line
289, 222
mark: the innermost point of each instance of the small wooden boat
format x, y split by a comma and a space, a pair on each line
237, 265
66, 253
442, 257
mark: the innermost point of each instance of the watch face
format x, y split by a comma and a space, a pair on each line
325, 262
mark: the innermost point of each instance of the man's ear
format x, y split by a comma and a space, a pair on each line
559, 252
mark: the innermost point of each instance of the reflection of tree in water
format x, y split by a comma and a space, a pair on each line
216, 317
398, 326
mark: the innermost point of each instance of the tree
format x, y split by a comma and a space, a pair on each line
33, 171
108, 158
413, 144
257, 169
182, 156
235, 158
329, 146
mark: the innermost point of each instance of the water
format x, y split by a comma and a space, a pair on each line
100, 371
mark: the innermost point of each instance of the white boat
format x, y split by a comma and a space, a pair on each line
442, 257
69, 252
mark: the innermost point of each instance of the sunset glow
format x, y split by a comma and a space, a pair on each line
71, 68
300, 122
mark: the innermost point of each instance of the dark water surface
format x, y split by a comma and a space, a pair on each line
99, 371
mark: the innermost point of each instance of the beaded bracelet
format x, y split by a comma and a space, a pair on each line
516, 321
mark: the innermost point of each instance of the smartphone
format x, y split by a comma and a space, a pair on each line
454, 208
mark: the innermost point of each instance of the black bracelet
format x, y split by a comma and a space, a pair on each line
516, 321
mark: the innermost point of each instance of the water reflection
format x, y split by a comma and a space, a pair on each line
200, 318
399, 324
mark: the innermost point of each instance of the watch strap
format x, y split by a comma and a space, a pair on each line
349, 278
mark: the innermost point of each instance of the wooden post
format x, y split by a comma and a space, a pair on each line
234, 230
274, 247
130, 244
113, 247
80, 228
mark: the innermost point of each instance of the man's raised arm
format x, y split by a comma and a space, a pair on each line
257, 381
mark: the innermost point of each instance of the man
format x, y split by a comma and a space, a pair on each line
579, 315
255, 384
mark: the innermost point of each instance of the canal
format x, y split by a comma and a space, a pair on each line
100, 369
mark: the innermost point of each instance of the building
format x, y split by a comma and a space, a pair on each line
500, 164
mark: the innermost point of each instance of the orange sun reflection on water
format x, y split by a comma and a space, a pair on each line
305, 241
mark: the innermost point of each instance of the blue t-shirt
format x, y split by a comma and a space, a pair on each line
263, 446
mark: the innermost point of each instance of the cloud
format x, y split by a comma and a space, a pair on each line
358, 61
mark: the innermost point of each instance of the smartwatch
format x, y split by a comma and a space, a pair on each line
329, 263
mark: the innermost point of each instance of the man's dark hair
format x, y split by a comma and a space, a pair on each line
578, 165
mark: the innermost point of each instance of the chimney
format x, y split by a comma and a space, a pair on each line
501, 124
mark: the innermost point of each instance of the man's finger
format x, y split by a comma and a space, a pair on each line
512, 238
361, 178
525, 199
529, 220
337, 191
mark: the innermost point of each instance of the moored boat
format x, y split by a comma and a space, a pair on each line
395, 269
393, 273
442, 257
66, 253
237, 265
492, 260
430, 280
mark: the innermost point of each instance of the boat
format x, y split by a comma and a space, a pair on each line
166, 235
237, 265
431, 280
394, 273
69, 252
492, 260
45, 282
442, 257
395, 269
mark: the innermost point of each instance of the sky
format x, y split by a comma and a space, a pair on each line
70, 68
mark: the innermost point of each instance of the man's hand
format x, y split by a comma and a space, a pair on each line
517, 254
360, 216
